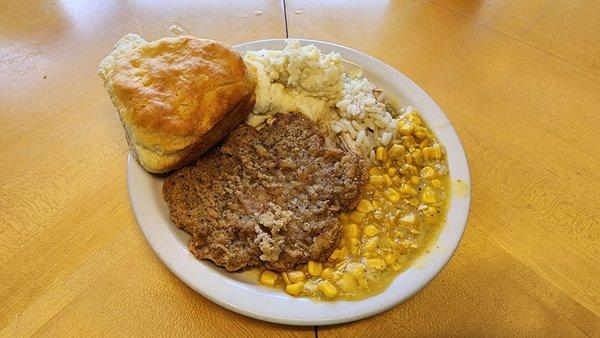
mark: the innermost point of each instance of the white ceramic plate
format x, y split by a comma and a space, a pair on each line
240, 292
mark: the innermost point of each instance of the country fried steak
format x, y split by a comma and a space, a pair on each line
267, 197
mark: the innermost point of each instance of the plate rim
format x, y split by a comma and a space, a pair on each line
157, 243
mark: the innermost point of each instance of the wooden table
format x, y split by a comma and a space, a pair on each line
520, 80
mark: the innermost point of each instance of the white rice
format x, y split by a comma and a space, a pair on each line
362, 120
350, 109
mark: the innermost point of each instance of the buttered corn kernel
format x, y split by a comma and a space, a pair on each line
436, 183
356, 216
381, 154
428, 153
295, 289
437, 150
351, 230
408, 189
396, 151
294, 276
370, 230
427, 172
392, 195
374, 171
428, 195
406, 129
346, 283
391, 171
268, 277
376, 180
390, 258
335, 255
376, 263
328, 289
327, 273
416, 155
364, 206
371, 244
408, 219
388, 180
314, 268
414, 118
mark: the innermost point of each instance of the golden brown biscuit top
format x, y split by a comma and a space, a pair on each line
174, 89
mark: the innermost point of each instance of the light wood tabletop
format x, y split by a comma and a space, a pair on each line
520, 81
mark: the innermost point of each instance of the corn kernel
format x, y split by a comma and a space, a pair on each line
428, 195
425, 143
327, 273
397, 267
295, 289
392, 195
344, 252
354, 250
417, 156
336, 276
314, 268
392, 171
406, 129
420, 133
390, 258
346, 283
376, 180
427, 172
408, 159
356, 216
371, 244
356, 270
375, 263
376, 205
353, 242
408, 219
436, 183
351, 230
381, 154
388, 180
428, 153
414, 118
408, 141
414, 202
286, 278
430, 215
268, 277
415, 180
396, 151
371, 230
364, 206
374, 171
437, 149
335, 255
294, 276
396, 180
328, 289
408, 189
408, 168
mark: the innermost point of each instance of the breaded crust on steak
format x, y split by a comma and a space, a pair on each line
267, 197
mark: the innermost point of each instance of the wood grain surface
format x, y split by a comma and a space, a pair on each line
520, 80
